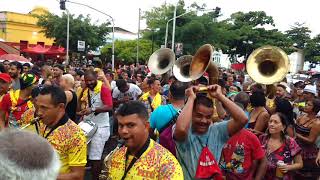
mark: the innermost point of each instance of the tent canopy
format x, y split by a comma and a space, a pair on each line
53, 50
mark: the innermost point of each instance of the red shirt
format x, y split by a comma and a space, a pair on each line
238, 155
6, 104
106, 97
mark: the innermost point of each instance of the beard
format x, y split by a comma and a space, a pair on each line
13, 75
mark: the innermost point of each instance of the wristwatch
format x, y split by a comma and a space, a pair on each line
93, 109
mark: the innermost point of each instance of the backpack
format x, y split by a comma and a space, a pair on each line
165, 137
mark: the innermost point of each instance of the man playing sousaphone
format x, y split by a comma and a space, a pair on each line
95, 103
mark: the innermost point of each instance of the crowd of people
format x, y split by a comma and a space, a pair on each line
235, 129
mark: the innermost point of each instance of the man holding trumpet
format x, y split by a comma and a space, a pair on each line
194, 130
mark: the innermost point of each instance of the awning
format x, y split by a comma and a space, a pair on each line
53, 50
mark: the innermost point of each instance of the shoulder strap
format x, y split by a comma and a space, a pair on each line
172, 120
136, 157
149, 100
89, 99
260, 114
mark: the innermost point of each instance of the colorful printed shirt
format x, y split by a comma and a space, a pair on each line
26, 118
238, 155
155, 163
17, 112
70, 143
286, 153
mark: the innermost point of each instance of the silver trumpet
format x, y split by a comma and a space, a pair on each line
34, 121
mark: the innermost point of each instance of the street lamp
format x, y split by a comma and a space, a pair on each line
112, 26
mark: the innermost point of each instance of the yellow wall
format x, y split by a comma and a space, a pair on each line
23, 27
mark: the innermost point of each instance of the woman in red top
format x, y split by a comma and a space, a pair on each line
280, 147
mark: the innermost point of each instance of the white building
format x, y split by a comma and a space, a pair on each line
296, 62
222, 60
121, 34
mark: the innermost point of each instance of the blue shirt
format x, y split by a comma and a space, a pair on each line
189, 150
161, 116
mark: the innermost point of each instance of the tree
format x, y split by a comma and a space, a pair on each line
126, 51
248, 32
81, 28
191, 30
237, 36
299, 35
312, 50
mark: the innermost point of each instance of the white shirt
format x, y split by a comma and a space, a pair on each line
133, 92
113, 85
101, 119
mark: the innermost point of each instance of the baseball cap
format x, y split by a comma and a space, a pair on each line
5, 77
311, 89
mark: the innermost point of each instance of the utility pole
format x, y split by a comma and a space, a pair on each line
138, 36
63, 7
174, 26
112, 19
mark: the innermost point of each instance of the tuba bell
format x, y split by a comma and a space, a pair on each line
267, 65
202, 62
181, 68
161, 61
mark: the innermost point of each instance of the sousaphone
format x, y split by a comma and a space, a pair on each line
202, 62
161, 61
181, 68
268, 65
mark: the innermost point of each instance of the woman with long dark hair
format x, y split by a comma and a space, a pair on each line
283, 152
284, 106
308, 129
259, 116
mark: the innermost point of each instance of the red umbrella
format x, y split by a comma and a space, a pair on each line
14, 57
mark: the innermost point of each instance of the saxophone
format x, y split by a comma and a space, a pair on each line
104, 175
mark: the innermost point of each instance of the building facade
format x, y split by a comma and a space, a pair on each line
17, 28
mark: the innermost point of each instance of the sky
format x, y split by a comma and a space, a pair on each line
126, 12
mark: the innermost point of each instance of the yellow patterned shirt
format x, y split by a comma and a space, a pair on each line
26, 118
70, 143
155, 163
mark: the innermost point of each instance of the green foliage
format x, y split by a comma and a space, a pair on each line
127, 50
237, 36
249, 33
299, 35
81, 28
312, 50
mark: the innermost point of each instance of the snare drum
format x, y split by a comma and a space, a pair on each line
89, 128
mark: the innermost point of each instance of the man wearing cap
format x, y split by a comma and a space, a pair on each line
5, 82
16, 102
309, 92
